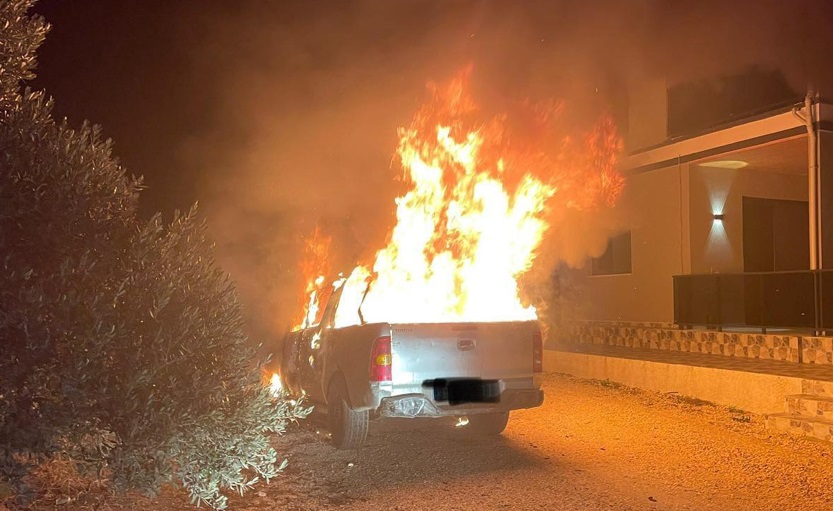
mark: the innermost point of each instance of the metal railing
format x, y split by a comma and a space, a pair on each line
780, 299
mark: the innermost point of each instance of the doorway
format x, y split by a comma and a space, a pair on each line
775, 235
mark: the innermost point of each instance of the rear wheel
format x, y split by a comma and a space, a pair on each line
348, 427
488, 424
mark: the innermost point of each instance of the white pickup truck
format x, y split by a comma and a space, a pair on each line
479, 371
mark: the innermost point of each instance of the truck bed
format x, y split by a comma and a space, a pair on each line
421, 354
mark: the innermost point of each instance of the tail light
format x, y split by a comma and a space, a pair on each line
380, 360
537, 353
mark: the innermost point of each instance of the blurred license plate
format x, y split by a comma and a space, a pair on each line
458, 391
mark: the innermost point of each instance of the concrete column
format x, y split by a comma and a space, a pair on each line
685, 217
825, 195
824, 207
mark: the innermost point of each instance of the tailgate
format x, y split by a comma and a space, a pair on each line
428, 351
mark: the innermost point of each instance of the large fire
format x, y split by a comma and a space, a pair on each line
476, 212
315, 266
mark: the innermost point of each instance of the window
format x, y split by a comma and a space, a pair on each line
617, 257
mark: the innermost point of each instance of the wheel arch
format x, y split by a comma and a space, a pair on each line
336, 376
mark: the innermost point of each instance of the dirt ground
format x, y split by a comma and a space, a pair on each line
591, 446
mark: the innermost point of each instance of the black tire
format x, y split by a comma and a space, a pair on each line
348, 427
488, 424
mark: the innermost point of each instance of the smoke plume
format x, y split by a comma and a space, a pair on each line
308, 96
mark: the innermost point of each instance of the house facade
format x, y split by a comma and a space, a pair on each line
727, 223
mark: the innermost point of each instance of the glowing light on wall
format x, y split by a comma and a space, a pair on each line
718, 177
724, 164
718, 249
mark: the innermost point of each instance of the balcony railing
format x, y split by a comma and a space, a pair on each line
783, 299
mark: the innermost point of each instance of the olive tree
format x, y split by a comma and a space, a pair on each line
123, 344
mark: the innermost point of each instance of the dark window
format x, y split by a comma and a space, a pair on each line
698, 106
617, 257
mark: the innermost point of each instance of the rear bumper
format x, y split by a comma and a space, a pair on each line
417, 405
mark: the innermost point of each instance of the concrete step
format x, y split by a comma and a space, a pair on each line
817, 387
810, 405
821, 429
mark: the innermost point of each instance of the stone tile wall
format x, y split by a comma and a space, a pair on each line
791, 348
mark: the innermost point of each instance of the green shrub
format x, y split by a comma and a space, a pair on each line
122, 341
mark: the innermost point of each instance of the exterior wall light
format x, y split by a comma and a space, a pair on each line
718, 217
725, 164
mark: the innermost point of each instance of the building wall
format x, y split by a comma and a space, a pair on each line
647, 114
788, 348
826, 207
718, 246
671, 212
651, 202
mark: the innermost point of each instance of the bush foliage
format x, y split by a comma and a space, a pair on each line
122, 341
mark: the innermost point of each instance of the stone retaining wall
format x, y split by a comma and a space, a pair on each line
664, 336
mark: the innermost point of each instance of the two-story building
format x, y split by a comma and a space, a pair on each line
728, 207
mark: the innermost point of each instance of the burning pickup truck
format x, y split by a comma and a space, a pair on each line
436, 325
477, 371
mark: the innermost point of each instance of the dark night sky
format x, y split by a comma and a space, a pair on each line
279, 115
155, 73
122, 65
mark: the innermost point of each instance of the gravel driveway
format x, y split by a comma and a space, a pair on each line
591, 446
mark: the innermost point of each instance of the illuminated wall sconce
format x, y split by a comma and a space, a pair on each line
718, 217
724, 164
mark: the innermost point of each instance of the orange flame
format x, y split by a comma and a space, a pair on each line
275, 384
476, 211
315, 267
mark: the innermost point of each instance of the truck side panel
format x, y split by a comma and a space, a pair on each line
348, 354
